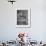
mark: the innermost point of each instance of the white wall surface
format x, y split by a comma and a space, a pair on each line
8, 30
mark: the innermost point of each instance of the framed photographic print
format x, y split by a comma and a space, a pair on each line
23, 17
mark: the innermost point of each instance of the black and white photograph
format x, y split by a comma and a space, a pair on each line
23, 17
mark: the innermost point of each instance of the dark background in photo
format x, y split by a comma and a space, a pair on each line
22, 17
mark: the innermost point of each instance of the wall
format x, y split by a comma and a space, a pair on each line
8, 28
